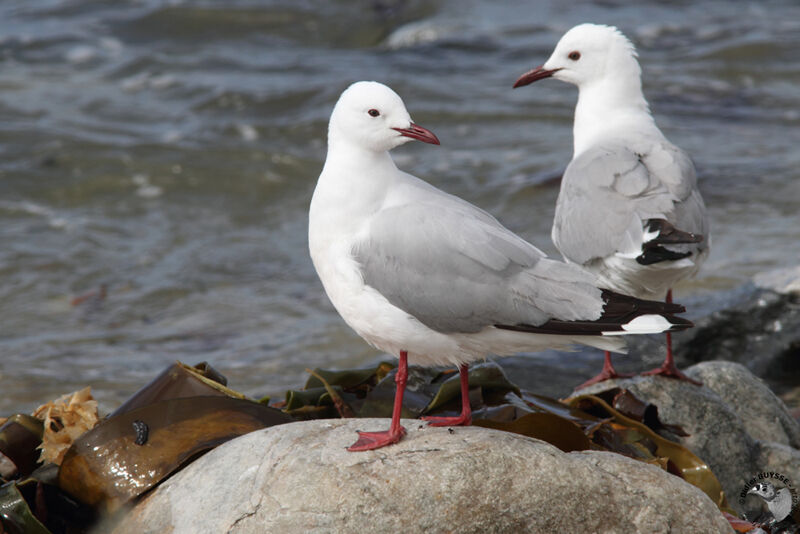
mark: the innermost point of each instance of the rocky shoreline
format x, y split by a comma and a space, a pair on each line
299, 478
268, 473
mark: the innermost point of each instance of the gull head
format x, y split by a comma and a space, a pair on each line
765, 490
371, 116
588, 54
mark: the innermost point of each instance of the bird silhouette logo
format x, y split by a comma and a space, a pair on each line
779, 502
773, 499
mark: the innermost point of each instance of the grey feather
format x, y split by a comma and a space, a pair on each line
609, 191
455, 268
781, 505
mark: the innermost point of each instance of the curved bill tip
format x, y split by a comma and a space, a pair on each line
531, 76
419, 133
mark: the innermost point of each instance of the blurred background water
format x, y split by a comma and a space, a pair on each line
165, 153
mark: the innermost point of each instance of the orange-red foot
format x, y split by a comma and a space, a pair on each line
603, 376
459, 420
368, 441
670, 371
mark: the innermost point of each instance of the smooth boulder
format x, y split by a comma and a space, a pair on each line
299, 478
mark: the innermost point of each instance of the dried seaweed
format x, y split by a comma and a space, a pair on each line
65, 419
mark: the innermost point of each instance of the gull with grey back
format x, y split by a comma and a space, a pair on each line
434, 280
629, 209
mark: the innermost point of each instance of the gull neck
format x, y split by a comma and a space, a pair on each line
610, 107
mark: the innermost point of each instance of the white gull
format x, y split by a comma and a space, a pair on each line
432, 279
629, 209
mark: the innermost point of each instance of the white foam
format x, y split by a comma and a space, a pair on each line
416, 34
248, 132
149, 191
81, 54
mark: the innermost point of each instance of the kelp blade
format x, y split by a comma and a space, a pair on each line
15, 514
692, 468
551, 428
126, 455
20, 436
177, 381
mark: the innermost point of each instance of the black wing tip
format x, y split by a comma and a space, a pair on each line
624, 308
619, 310
621, 302
654, 250
669, 235
678, 323
657, 254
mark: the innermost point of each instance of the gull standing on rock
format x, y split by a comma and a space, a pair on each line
434, 280
629, 209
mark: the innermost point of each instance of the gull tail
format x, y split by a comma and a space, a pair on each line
660, 232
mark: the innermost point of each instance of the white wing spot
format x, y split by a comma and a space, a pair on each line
644, 324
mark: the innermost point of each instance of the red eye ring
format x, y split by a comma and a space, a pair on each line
373, 112
574, 55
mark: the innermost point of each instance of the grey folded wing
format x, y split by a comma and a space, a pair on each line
456, 269
608, 194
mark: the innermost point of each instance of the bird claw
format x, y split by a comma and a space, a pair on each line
670, 371
368, 441
459, 420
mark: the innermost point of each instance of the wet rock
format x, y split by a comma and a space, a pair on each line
300, 478
761, 331
735, 423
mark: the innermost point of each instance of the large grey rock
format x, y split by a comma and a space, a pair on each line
764, 416
299, 478
779, 458
735, 423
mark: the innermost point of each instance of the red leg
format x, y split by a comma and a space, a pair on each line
607, 373
668, 368
465, 418
375, 440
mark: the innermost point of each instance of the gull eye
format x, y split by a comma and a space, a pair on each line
373, 112
574, 55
